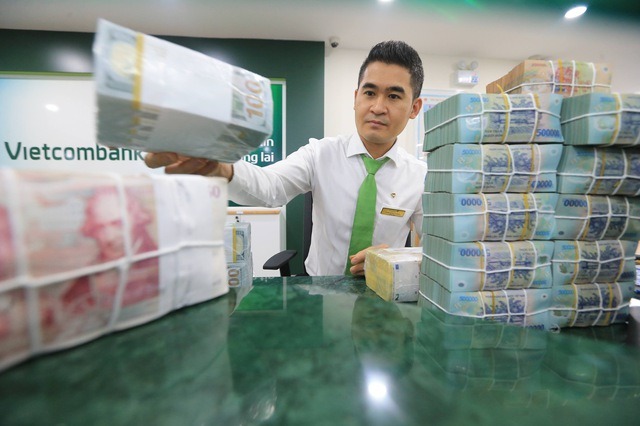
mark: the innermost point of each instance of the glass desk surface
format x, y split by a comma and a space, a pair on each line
328, 351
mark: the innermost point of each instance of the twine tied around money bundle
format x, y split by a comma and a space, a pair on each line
364, 218
516, 264
620, 109
508, 110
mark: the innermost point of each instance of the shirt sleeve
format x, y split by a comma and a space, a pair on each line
274, 185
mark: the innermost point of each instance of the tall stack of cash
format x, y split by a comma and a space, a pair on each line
566, 78
153, 95
598, 210
84, 254
237, 246
489, 206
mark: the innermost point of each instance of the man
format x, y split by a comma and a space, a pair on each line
388, 95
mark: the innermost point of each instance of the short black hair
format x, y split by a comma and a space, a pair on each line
397, 53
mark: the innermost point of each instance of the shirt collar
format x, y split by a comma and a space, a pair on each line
356, 147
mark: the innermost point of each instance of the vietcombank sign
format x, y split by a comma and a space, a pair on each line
48, 122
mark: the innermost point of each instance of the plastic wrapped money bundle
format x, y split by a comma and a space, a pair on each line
153, 95
488, 266
470, 169
393, 272
489, 217
237, 246
85, 254
599, 171
525, 307
484, 118
597, 217
566, 78
584, 262
587, 305
602, 119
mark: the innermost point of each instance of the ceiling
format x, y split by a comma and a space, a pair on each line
500, 29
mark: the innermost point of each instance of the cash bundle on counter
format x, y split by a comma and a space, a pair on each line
84, 254
526, 231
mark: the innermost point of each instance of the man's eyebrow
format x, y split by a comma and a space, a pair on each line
398, 89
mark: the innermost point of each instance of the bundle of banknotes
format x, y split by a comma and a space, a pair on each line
602, 119
489, 217
597, 217
484, 118
604, 261
476, 266
393, 272
153, 95
566, 78
586, 305
237, 247
599, 171
470, 169
524, 307
83, 254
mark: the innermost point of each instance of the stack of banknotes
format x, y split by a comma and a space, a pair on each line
84, 254
476, 266
489, 217
470, 169
602, 119
566, 78
482, 118
393, 272
153, 95
599, 171
237, 246
524, 307
586, 262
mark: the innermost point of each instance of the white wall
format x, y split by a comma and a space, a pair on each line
341, 79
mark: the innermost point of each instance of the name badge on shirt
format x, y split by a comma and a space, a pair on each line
392, 212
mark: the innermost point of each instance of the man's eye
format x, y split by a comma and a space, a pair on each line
394, 96
369, 93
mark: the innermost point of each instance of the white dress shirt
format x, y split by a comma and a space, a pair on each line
331, 168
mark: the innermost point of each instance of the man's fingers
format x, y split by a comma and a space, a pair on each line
160, 159
187, 166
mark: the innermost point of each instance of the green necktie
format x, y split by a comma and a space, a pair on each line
362, 231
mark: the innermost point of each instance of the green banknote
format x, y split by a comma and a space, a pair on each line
604, 261
492, 118
597, 217
586, 305
527, 307
599, 171
475, 266
489, 217
490, 168
601, 119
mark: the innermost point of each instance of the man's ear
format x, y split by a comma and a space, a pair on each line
355, 96
416, 107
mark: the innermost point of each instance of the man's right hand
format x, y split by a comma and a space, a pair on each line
178, 164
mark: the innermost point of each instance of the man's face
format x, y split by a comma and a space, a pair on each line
384, 104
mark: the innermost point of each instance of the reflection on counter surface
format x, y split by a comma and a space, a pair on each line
328, 350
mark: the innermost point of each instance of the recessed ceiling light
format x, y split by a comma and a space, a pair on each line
385, 1
575, 11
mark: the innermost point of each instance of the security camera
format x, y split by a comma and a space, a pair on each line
334, 42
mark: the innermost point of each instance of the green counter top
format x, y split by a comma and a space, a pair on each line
328, 351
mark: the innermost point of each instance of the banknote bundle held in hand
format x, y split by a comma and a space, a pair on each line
531, 208
156, 96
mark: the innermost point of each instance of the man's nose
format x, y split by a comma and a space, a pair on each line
379, 105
